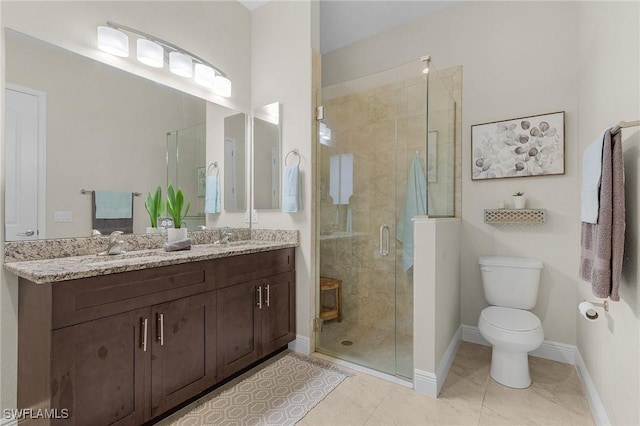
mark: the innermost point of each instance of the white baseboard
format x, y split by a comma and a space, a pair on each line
442, 369
553, 351
302, 345
590, 392
425, 383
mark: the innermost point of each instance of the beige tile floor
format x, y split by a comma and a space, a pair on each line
469, 397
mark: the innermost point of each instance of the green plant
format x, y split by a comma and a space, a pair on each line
518, 194
175, 202
154, 206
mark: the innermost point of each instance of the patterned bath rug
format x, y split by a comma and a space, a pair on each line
280, 394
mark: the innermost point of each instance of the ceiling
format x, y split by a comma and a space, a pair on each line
343, 22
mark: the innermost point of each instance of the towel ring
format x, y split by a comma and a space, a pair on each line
215, 166
294, 152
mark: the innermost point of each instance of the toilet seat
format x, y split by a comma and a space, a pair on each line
510, 319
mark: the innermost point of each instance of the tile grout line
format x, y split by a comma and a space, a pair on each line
484, 395
378, 405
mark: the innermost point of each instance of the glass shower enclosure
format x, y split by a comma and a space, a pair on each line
386, 154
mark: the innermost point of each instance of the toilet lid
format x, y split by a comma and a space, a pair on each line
510, 319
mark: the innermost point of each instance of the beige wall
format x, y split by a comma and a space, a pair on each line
72, 25
106, 130
499, 84
609, 91
281, 72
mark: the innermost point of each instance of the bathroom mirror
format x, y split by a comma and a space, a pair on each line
105, 129
267, 124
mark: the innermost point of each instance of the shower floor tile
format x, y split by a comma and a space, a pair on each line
375, 348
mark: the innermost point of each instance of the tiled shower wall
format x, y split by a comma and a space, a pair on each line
384, 128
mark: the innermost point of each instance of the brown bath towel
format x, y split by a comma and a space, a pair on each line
603, 243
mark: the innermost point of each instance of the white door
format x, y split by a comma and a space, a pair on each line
24, 163
230, 200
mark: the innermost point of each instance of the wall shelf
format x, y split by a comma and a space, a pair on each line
524, 216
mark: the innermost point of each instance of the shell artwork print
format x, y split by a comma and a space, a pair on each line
529, 146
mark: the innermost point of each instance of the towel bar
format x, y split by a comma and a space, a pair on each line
91, 191
295, 152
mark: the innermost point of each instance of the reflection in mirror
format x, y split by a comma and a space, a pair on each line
186, 169
104, 129
267, 122
234, 163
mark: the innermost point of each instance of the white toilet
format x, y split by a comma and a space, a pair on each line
511, 287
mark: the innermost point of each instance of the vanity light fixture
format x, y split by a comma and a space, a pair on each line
151, 51
113, 41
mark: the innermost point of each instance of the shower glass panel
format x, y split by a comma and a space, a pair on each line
186, 169
386, 154
441, 145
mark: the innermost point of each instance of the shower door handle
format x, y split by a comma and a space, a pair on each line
385, 243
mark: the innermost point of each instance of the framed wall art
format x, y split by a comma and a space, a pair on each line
527, 146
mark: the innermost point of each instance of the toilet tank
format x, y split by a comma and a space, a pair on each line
510, 281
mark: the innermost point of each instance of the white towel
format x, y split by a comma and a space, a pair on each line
292, 191
591, 176
212, 195
113, 205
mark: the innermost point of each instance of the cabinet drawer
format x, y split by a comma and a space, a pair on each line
239, 269
82, 300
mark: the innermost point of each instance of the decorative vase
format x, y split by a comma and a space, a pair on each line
176, 234
519, 202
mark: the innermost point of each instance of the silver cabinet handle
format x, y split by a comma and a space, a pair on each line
27, 233
385, 243
259, 296
161, 329
387, 240
143, 334
266, 296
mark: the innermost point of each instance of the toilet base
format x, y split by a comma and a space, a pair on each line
510, 368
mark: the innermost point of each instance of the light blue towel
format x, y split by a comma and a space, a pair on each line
292, 191
415, 205
113, 205
212, 195
591, 176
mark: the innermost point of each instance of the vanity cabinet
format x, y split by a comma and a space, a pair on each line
255, 317
123, 348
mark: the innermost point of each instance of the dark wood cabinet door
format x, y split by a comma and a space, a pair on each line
183, 350
278, 312
238, 327
100, 371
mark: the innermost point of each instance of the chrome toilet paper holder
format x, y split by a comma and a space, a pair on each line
587, 309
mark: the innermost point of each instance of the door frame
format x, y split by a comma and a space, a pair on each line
42, 153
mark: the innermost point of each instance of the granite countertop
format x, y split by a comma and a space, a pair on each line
73, 267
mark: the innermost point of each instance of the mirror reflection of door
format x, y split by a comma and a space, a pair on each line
230, 193
25, 130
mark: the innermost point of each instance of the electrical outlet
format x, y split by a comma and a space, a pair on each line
63, 216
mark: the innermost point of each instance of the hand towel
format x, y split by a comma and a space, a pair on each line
292, 191
591, 175
602, 244
212, 195
415, 204
113, 205
107, 226
178, 245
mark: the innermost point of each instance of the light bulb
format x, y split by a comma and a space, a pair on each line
205, 76
180, 64
222, 86
113, 41
150, 53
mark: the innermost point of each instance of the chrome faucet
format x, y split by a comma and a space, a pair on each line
225, 234
115, 244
